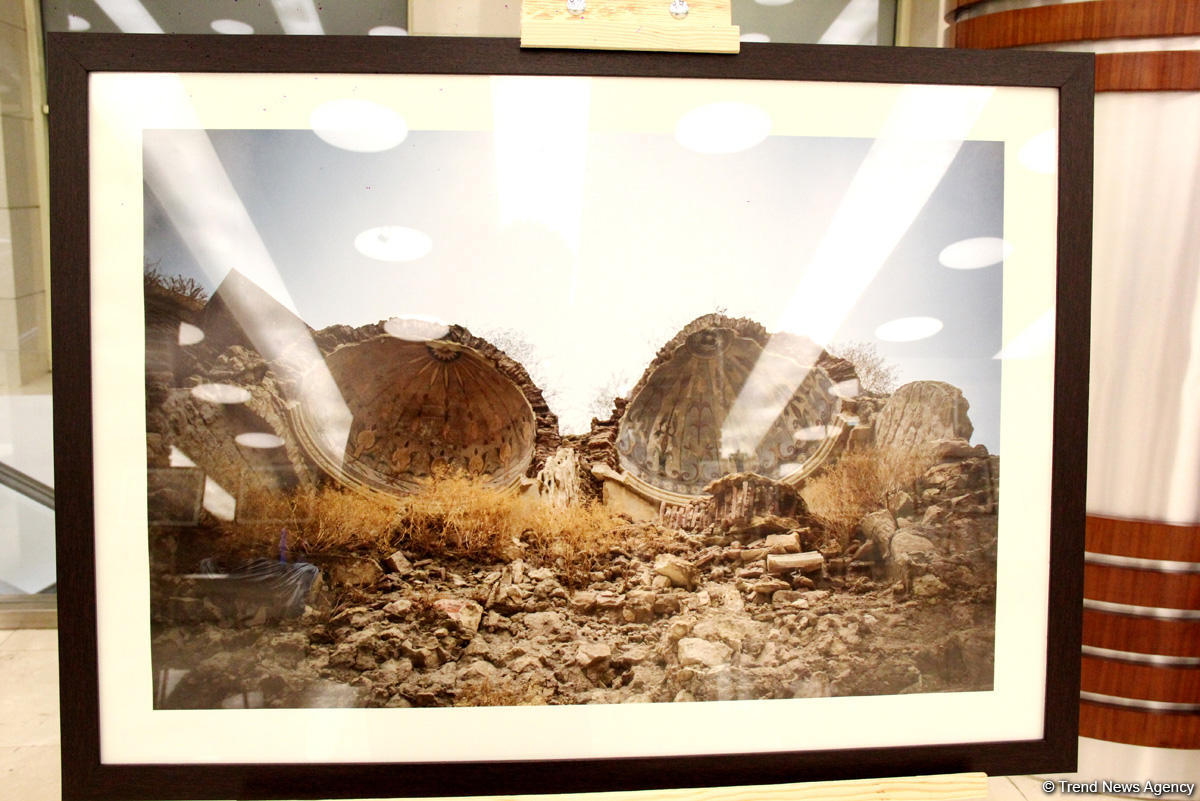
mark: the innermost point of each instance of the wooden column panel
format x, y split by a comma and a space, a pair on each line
1093, 22
1138, 727
1142, 635
1120, 585
1142, 539
1171, 684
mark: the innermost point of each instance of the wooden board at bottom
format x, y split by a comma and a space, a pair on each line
949, 787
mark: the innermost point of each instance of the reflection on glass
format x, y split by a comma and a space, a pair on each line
974, 253
358, 125
356, 499
855, 22
231, 26
811, 21
301, 17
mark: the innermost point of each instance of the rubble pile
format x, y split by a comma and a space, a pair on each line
757, 617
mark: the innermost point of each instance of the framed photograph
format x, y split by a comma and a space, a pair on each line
489, 421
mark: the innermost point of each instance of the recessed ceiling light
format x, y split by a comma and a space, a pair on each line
258, 439
1040, 153
232, 26
974, 253
725, 127
77, 23
189, 334
755, 37
416, 329
393, 243
908, 329
220, 393
359, 125
387, 30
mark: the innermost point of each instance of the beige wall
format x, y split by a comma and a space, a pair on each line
437, 17
920, 23
24, 336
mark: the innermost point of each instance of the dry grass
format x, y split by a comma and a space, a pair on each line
456, 514
324, 521
451, 515
187, 288
489, 693
858, 483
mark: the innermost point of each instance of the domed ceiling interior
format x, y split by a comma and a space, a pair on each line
422, 406
678, 433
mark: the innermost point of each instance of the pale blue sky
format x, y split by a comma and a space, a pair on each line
664, 235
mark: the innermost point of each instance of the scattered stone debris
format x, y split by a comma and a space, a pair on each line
697, 625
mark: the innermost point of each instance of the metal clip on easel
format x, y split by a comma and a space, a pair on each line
693, 26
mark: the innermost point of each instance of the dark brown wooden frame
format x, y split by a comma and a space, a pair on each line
72, 58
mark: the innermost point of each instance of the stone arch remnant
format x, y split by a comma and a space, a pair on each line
724, 396
420, 406
378, 406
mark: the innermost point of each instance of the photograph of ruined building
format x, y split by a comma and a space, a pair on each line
460, 421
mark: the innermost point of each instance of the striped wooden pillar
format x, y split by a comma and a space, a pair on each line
1141, 634
1141, 654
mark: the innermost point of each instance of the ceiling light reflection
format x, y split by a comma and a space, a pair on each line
231, 26
393, 243
190, 334
908, 329
359, 125
387, 30
850, 388
725, 127
754, 37
220, 393
76, 23
258, 439
772, 2
814, 434
416, 329
975, 253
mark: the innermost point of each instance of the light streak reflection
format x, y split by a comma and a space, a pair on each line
186, 175
892, 185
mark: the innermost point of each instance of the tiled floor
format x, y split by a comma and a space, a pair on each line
29, 715
29, 756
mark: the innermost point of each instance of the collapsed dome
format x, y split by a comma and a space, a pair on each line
421, 406
725, 397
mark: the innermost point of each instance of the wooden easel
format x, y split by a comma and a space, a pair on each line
707, 28
630, 25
